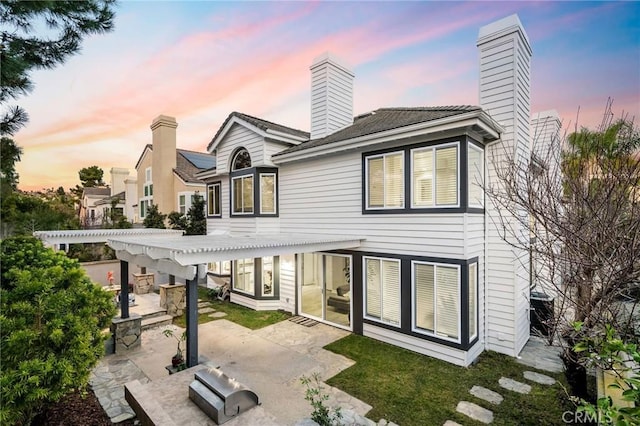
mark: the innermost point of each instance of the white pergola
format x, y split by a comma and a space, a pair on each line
186, 257
82, 236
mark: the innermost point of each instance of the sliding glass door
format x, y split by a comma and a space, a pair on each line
325, 292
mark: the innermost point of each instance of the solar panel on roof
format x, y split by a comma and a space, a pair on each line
201, 161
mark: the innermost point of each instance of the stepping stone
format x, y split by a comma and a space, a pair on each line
486, 394
475, 411
203, 304
206, 310
217, 315
514, 385
539, 378
451, 423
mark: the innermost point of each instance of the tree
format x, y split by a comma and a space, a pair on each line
91, 176
177, 221
24, 50
582, 208
153, 218
196, 220
51, 322
116, 218
11, 154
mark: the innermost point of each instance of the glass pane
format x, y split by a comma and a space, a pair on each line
243, 276
476, 173
391, 291
373, 287
312, 288
376, 182
242, 160
424, 292
448, 302
210, 192
216, 198
237, 195
247, 194
267, 194
151, 189
447, 176
473, 286
267, 276
394, 180
423, 178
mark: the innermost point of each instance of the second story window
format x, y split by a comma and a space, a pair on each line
435, 176
242, 160
253, 189
385, 181
242, 194
213, 199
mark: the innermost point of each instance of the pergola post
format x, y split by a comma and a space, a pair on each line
124, 289
192, 322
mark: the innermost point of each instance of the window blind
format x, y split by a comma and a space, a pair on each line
373, 287
423, 177
247, 194
448, 304
447, 176
267, 194
376, 182
473, 291
423, 277
476, 176
394, 180
391, 291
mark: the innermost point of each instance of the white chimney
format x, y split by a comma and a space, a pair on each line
505, 55
331, 95
118, 176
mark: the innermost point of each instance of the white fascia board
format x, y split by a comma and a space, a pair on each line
206, 256
285, 137
478, 118
234, 120
206, 174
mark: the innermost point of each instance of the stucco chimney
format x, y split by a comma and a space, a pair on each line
331, 95
505, 55
164, 161
118, 175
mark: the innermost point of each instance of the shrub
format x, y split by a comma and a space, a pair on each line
51, 322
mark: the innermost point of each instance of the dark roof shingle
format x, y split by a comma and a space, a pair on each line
384, 119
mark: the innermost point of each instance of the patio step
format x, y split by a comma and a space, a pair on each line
155, 314
156, 321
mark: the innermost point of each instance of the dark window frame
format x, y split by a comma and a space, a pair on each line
217, 200
257, 280
463, 178
256, 172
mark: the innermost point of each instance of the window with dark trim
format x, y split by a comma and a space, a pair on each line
443, 176
382, 289
257, 278
241, 160
214, 200
436, 299
254, 192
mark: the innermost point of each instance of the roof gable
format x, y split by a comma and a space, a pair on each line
148, 148
266, 129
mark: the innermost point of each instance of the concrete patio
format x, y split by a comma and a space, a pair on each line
269, 361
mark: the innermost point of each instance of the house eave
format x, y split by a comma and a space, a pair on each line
477, 121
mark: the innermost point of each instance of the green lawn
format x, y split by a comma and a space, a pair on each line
412, 389
235, 313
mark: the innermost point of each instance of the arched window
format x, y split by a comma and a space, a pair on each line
242, 160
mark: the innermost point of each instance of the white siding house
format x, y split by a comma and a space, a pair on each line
431, 272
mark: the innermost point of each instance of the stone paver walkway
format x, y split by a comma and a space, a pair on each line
486, 394
475, 411
107, 381
539, 378
539, 355
514, 385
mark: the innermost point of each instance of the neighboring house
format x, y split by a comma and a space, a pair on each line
121, 190
166, 175
433, 273
90, 213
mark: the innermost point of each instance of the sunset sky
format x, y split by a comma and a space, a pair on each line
199, 61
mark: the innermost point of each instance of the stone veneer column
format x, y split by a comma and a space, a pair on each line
143, 283
126, 333
173, 298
